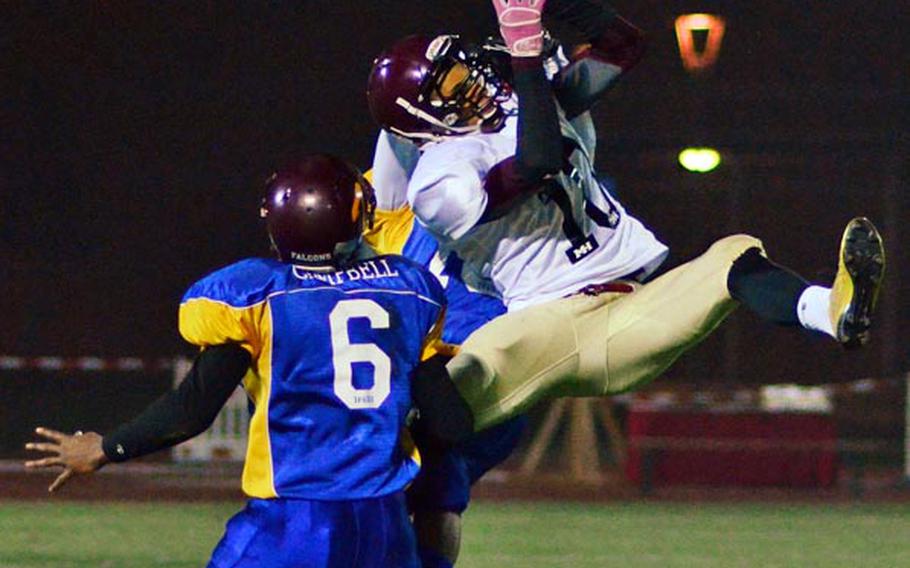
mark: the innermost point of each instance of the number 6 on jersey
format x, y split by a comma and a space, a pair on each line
345, 354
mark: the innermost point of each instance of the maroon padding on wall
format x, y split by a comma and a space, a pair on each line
752, 449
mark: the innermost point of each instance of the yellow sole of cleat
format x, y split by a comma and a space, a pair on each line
861, 267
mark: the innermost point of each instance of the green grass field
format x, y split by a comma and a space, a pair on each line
547, 535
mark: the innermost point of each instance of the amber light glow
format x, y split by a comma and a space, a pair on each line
686, 27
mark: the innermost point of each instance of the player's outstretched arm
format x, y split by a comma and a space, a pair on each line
611, 47
176, 416
539, 148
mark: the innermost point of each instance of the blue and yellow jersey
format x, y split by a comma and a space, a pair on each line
333, 353
396, 231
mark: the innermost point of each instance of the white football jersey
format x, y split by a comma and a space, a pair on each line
394, 160
552, 244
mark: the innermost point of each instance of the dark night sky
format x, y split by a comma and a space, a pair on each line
133, 138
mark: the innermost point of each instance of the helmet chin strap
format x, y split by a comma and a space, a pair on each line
420, 137
427, 117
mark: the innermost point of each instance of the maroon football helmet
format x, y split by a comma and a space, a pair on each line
315, 209
425, 88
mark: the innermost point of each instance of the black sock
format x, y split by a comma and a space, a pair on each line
769, 290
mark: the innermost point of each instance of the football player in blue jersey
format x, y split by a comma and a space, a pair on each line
327, 342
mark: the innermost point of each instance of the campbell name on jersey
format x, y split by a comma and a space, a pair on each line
530, 254
333, 354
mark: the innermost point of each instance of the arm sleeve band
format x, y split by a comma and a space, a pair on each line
184, 412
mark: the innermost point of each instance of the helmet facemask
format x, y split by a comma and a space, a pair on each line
462, 91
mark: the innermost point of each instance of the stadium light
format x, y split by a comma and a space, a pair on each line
699, 160
686, 27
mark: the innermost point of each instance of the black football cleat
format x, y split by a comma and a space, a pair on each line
861, 266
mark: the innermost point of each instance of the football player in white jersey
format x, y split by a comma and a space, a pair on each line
442, 491
515, 195
463, 189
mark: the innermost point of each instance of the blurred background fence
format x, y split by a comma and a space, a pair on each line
822, 436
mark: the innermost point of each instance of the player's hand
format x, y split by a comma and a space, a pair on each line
520, 25
77, 454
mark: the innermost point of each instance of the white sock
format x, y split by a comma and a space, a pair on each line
812, 309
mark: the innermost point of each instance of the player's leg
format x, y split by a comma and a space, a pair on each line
438, 537
239, 536
842, 311
557, 349
437, 498
441, 492
285, 533
301, 533
594, 345
654, 326
385, 536
280, 533
515, 360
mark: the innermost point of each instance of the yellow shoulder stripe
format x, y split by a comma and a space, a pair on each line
391, 230
204, 322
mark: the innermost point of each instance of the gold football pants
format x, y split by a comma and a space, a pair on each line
595, 345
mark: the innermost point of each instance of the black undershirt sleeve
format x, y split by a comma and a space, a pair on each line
184, 412
539, 149
444, 416
611, 47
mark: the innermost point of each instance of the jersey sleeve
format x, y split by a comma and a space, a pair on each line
391, 230
225, 307
446, 190
393, 162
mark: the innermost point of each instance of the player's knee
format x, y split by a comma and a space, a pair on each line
472, 377
732, 247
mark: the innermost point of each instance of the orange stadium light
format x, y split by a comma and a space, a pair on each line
687, 25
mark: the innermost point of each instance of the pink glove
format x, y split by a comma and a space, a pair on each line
519, 24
